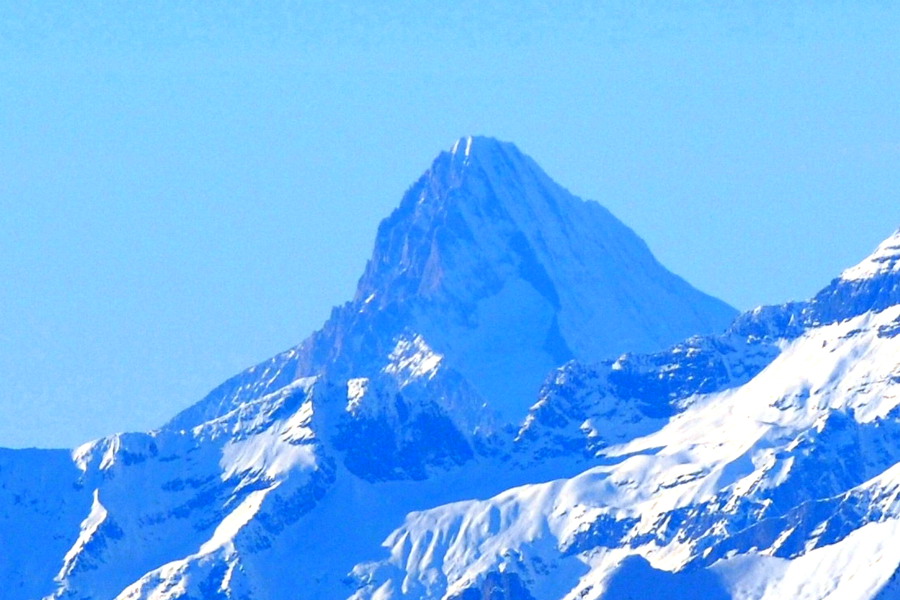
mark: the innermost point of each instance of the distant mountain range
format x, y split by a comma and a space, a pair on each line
519, 403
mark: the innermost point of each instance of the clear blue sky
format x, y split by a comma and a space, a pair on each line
187, 188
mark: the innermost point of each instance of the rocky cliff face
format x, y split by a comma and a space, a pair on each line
487, 276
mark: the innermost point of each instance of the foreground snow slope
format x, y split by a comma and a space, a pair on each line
785, 484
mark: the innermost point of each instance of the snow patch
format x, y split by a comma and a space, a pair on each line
412, 359
89, 528
356, 391
885, 259
267, 455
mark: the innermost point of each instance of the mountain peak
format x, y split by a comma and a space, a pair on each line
488, 158
507, 274
463, 146
480, 146
503, 275
885, 259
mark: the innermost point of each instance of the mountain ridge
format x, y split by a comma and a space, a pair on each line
816, 469
467, 243
368, 462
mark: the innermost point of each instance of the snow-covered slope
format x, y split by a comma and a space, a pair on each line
468, 427
777, 480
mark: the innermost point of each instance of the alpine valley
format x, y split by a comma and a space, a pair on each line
519, 403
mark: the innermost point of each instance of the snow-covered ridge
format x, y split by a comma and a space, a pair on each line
885, 259
767, 451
